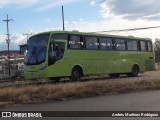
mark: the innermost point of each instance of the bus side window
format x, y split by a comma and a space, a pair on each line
135, 47
132, 45
91, 42
75, 42
106, 43
123, 45
109, 44
143, 45
149, 46
103, 43
120, 44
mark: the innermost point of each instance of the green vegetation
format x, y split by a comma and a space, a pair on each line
51, 93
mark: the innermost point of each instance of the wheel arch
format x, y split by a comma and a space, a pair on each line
136, 66
80, 67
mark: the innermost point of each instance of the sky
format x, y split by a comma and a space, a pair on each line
34, 16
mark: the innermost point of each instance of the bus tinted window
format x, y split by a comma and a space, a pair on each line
75, 42
132, 45
149, 46
59, 36
123, 45
142, 45
120, 44
91, 42
106, 43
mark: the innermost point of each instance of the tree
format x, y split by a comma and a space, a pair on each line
157, 50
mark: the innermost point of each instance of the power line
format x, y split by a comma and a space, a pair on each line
20, 26
132, 29
16, 29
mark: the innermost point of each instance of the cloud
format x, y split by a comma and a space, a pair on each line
93, 3
15, 41
66, 22
81, 20
18, 39
74, 22
2, 38
47, 20
131, 9
115, 24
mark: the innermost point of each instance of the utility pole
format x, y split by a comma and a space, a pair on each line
8, 43
27, 34
63, 18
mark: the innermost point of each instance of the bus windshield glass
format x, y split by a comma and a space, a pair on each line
36, 49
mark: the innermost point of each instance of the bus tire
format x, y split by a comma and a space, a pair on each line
135, 71
76, 74
114, 75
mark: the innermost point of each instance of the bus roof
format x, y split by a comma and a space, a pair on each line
96, 34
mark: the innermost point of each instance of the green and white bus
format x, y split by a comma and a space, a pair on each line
74, 54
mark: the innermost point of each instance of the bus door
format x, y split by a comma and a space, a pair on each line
56, 52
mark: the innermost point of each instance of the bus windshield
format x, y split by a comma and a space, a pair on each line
36, 49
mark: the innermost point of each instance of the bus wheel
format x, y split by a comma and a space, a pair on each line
114, 75
135, 71
76, 74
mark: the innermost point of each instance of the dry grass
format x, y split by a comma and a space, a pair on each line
32, 94
156, 71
